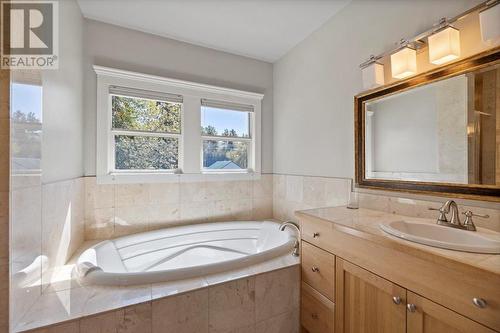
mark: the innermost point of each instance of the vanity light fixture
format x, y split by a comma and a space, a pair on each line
489, 20
404, 62
444, 44
373, 73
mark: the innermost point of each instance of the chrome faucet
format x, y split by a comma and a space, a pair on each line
455, 222
297, 229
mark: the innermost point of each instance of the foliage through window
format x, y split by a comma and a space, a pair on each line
146, 133
226, 138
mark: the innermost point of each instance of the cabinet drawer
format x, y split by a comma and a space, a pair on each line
318, 233
318, 269
317, 312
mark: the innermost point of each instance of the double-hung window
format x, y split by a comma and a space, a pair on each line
226, 136
145, 130
152, 129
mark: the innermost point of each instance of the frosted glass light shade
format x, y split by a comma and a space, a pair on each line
373, 75
404, 63
489, 20
444, 46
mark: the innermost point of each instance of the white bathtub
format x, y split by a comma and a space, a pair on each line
182, 252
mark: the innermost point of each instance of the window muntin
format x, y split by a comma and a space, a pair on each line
146, 133
226, 136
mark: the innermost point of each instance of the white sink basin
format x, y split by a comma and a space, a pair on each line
444, 237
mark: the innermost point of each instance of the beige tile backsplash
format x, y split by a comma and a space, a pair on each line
115, 210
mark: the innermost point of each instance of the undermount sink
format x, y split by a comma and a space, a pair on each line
443, 237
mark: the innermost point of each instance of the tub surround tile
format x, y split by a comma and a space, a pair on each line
102, 298
167, 193
288, 322
231, 305
70, 327
222, 277
169, 288
53, 308
127, 195
161, 307
262, 208
132, 319
184, 313
276, 292
100, 224
62, 223
116, 210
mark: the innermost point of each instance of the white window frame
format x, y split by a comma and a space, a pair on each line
190, 138
250, 140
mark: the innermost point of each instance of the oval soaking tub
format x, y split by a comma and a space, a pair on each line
182, 252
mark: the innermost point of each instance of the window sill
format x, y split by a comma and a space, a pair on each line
170, 177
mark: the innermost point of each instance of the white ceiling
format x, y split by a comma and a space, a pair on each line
261, 29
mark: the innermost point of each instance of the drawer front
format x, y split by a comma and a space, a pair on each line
318, 233
317, 312
318, 269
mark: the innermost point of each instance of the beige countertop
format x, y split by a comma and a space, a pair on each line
364, 223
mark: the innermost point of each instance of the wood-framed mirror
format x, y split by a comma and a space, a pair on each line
436, 133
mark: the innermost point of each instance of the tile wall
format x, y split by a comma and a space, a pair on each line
291, 193
47, 227
264, 303
116, 210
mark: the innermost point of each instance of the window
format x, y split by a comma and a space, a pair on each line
148, 128
226, 136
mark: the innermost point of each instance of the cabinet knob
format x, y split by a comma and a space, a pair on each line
315, 269
411, 307
479, 302
314, 315
396, 300
316, 235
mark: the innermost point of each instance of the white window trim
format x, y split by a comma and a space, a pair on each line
190, 143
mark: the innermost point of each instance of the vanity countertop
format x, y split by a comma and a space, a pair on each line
364, 223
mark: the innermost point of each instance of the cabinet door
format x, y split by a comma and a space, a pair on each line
367, 303
428, 317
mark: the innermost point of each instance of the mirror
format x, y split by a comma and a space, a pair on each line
438, 131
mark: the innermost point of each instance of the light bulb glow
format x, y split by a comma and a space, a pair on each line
444, 46
404, 63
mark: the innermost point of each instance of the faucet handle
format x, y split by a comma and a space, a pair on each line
468, 223
442, 213
471, 214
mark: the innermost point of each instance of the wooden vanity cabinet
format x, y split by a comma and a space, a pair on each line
366, 302
430, 317
352, 285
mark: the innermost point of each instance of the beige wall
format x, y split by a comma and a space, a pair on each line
117, 47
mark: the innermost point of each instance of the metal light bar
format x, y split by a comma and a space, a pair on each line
417, 41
